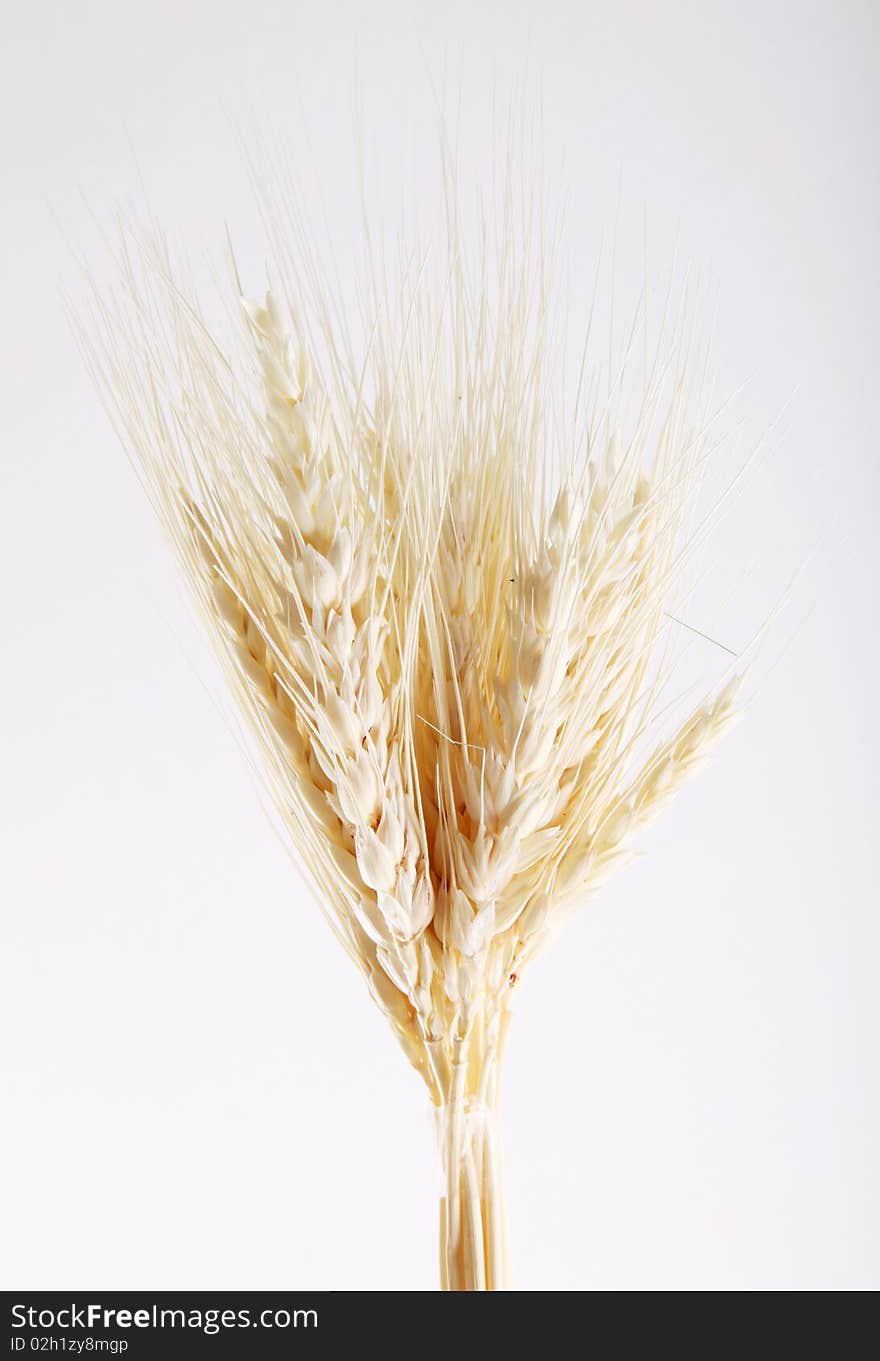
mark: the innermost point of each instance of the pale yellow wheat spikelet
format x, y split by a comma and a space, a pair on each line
448, 641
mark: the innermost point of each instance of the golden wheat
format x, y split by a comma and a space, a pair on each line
448, 637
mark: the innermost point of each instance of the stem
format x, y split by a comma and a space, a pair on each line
472, 1238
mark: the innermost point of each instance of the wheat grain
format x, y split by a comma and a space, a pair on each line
449, 662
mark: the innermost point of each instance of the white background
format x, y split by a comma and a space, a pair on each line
197, 1091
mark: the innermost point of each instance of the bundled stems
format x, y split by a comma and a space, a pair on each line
473, 1239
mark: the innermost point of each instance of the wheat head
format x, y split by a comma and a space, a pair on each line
449, 633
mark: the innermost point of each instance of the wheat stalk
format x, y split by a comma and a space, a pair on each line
449, 642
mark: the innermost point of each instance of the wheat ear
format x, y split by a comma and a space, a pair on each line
448, 642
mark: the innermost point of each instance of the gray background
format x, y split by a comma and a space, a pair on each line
197, 1091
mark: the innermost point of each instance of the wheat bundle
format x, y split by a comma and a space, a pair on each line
448, 628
